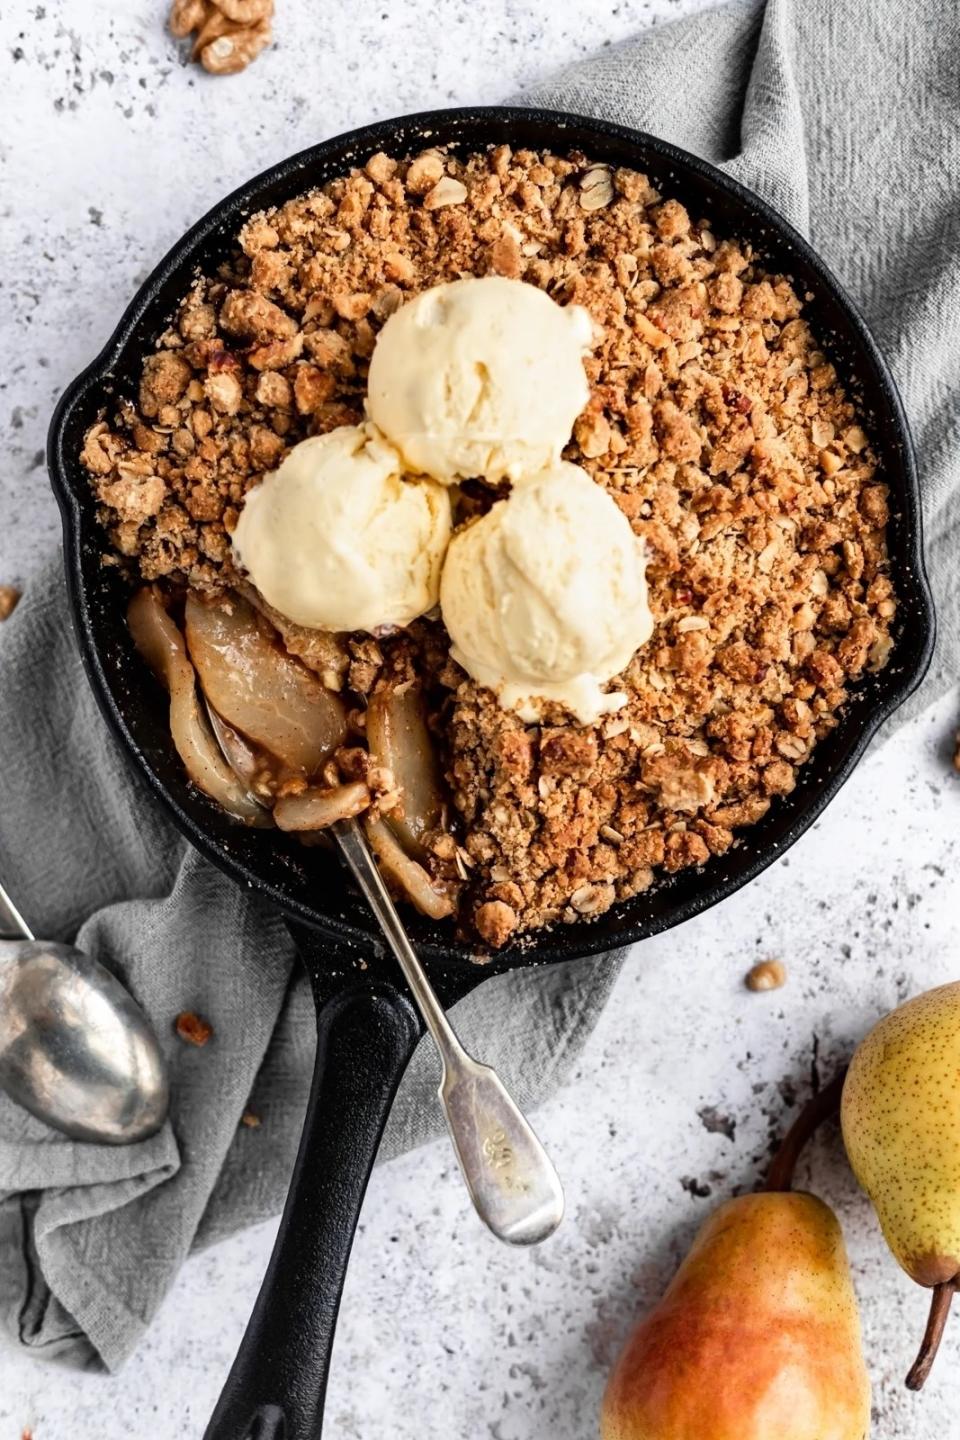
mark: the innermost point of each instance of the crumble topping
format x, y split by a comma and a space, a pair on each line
715, 421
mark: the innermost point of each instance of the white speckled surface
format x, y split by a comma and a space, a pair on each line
109, 148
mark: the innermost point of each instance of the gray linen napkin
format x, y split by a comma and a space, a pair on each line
843, 113
91, 1237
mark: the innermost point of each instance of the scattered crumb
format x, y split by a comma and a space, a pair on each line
193, 1028
697, 1188
767, 975
715, 1122
251, 1120
9, 599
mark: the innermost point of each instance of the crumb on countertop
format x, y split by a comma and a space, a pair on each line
767, 975
193, 1028
9, 599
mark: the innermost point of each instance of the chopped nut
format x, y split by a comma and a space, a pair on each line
424, 172
193, 1028
592, 434
596, 188
224, 393
9, 598
447, 191
353, 307
229, 54
274, 390
250, 1120
275, 354
592, 899
766, 975
312, 388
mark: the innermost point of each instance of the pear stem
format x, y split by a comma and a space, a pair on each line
936, 1320
821, 1106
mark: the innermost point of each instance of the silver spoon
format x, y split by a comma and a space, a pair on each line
511, 1180
75, 1048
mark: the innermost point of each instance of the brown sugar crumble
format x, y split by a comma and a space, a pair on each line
715, 421
193, 1028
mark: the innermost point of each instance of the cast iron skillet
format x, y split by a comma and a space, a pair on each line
366, 1025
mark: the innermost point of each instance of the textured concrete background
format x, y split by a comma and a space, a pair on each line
110, 146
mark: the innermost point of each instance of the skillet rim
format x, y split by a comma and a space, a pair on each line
891, 687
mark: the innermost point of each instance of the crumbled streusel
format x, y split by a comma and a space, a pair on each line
716, 422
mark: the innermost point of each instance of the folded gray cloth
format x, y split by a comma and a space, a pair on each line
843, 113
91, 1236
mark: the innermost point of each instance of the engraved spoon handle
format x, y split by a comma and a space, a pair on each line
513, 1185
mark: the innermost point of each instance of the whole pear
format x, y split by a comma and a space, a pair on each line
756, 1338
900, 1116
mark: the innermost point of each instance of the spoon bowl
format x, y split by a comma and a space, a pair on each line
76, 1050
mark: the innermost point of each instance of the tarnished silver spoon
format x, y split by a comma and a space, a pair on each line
511, 1180
76, 1050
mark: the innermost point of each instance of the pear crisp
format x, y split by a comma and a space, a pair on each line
716, 422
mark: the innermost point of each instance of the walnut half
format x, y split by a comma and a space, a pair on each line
227, 34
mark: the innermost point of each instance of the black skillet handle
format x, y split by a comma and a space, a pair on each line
366, 1032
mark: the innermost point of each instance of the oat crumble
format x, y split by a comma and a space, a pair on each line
715, 422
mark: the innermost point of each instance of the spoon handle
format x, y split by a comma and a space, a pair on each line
513, 1185
12, 924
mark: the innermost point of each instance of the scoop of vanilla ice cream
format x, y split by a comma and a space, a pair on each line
339, 538
545, 597
481, 377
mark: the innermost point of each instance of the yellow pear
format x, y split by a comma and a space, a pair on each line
900, 1116
756, 1338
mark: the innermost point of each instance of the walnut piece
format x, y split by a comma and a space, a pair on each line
596, 188
9, 598
767, 975
447, 191
193, 1028
227, 34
